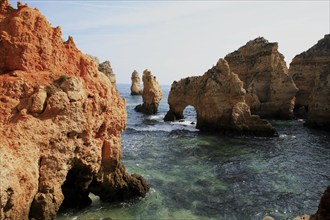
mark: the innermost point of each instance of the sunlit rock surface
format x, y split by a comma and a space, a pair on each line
311, 72
270, 90
60, 122
151, 95
218, 97
135, 87
105, 68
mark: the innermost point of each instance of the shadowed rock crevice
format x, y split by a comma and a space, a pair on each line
75, 187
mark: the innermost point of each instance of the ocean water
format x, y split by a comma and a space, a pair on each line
203, 176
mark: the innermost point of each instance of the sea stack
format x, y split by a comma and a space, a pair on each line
310, 71
135, 87
151, 95
60, 123
218, 97
270, 90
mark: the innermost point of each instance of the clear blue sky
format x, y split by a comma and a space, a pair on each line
176, 39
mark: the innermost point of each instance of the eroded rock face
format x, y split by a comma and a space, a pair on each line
151, 95
311, 72
105, 68
135, 87
323, 211
218, 97
270, 90
60, 122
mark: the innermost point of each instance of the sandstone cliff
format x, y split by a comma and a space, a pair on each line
151, 95
270, 90
311, 72
60, 122
218, 97
135, 87
105, 68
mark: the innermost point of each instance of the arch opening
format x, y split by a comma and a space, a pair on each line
189, 115
75, 188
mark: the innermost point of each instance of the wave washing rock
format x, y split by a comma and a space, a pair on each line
151, 95
270, 90
60, 123
218, 97
135, 87
311, 72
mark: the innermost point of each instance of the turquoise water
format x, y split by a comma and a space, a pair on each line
200, 176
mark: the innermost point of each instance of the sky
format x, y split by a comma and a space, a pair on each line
177, 39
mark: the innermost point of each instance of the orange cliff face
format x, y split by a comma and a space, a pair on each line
60, 123
30, 44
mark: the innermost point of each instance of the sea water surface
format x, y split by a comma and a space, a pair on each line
207, 176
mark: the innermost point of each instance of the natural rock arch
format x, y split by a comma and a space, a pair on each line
219, 100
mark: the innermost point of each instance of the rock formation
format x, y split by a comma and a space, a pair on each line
218, 97
270, 90
135, 87
311, 72
105, 68
60, 122
151, 95
323, 211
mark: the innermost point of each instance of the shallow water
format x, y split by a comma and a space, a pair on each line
200, 176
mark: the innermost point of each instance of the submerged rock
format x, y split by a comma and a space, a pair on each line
60, 122
218, 97
151, 95
311, 72
270, 90
135, 87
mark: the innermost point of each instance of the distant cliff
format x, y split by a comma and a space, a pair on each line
311, 72
270, 90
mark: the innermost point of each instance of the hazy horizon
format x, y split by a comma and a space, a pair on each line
177, 39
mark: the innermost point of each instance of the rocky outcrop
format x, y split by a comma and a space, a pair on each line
218, 97
323, 211
60, 123
151, 95
270, 90
135, 87
311, 72
105, 68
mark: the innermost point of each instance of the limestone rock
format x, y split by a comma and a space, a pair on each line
151, 95
311, 72
323, 211
60, 122
218, 97
265, 76
105, 68
135, 87
306, 67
